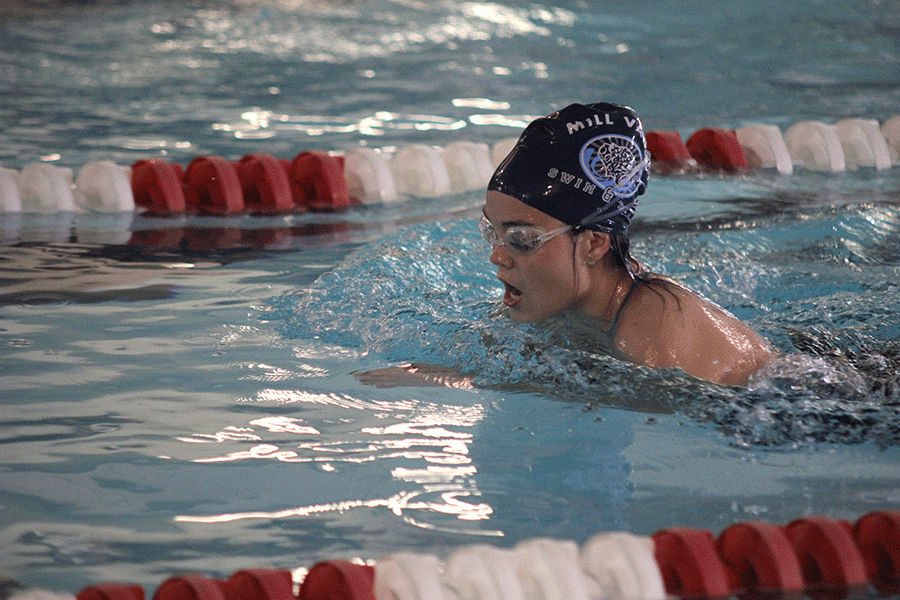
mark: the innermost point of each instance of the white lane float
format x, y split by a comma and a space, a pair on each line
419, 171
863, 144
483, 572
549, 570
814, 145
104, 186
764, 148
890, 131
40, 594
10, 197
469, 166
622, 567
409, 576
46, 188
369, 176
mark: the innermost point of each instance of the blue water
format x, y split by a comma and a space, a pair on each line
182, 394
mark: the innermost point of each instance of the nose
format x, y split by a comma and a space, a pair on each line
500, 256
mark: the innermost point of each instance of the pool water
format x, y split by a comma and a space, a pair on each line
185, 394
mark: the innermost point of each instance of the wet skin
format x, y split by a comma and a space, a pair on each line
662, 324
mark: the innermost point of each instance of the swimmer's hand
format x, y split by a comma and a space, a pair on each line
416, 375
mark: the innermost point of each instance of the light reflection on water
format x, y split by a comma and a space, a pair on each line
408, 432
440, 491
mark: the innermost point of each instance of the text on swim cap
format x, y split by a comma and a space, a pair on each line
573, 180
596, 120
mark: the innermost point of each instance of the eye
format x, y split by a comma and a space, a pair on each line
522, 240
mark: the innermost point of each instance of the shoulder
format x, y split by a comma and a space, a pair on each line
650, 322
667, 325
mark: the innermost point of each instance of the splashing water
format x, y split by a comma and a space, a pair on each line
429, 295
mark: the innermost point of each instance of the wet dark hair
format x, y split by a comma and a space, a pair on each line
620, 246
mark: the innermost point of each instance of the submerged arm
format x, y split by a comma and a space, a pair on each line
416, 375
427, 375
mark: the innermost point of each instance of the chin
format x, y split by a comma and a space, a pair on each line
520, 317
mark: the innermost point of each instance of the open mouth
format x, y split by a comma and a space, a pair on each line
512, 295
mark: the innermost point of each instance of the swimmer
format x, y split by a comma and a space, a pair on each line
557, 214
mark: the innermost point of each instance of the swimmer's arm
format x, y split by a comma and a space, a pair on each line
416, 375
426, 375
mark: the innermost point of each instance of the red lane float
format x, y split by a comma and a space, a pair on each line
689, 563
265, 186
717, 149
260, 584
831, 563
111, 591
877, 536
338, 580
157, 187
190, 587
318, 182
212, 186
759, 558
668, 153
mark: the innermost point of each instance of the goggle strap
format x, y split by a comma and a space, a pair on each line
603, 214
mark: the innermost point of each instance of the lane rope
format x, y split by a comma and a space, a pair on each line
334, 181
815, 556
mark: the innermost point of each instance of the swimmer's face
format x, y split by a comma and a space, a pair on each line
538, 284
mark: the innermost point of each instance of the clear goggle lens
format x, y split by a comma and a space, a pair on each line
524, 239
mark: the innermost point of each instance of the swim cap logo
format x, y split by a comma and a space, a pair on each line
615, 163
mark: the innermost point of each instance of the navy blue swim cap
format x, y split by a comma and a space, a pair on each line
585, 165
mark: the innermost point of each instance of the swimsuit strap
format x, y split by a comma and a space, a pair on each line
614, 327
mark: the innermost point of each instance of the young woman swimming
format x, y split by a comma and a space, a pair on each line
557, 214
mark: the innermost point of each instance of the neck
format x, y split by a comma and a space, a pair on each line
612, 287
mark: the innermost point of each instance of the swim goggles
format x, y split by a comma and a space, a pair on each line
523, 239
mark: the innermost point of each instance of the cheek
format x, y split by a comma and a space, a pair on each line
552, 273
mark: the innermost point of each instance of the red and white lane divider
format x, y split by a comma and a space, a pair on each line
812, 145
324, 181
817, 557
